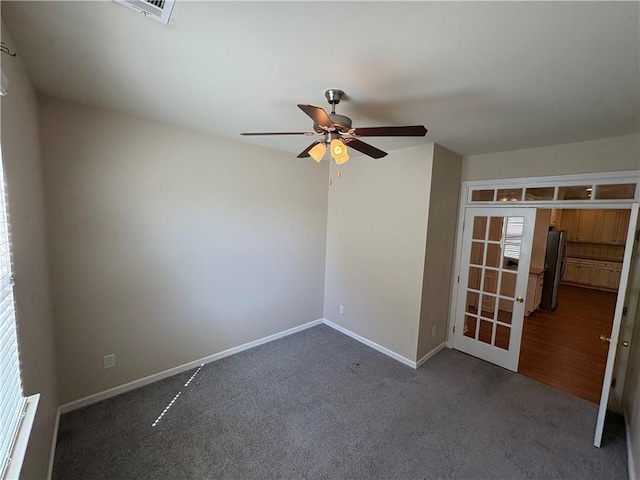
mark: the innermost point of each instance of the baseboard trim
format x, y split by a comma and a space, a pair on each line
369, 343
54, 443
430, 354
631, 464
112, 392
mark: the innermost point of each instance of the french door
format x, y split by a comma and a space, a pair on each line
492, 286
631, 260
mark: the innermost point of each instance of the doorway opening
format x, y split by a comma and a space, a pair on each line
561, 339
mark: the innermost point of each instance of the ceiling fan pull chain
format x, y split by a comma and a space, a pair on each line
339, 175
330, 181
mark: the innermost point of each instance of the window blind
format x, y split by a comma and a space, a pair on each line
12, 401
513, 237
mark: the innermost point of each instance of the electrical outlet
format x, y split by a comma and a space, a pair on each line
434, 330
109, 361
341, 309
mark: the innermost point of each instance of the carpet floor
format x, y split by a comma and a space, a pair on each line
319, 405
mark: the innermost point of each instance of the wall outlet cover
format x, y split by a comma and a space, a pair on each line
109, 361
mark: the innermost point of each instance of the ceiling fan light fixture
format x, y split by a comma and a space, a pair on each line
339, 151
332, 126
318, 151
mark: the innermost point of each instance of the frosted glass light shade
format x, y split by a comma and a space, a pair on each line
317, 152
339, 151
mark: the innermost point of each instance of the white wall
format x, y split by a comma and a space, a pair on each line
168, 245
21, 160
604, 155
376, 237
440, 249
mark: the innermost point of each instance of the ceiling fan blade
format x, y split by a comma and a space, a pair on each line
305, 152
278, 133
318, 115
408, 131
364, 148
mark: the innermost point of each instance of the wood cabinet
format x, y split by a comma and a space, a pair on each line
534, 292
586, 272
597, 226
618, 274
608, 226
592, 273
586, 225
612, 226
571, 270
569, 223
622, 226
605, 275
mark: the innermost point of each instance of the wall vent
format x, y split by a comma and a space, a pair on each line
159, 10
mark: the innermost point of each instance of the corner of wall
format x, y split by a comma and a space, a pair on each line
376, 231
23, 172
439, 250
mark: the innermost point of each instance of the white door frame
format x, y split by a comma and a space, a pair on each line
632, 176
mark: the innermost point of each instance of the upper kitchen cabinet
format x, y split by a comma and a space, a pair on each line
587, 225
613, 226
570, 222
622, 226
595, 226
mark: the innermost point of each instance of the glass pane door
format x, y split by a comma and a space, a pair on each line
493, 282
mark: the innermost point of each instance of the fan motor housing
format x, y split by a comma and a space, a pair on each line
342, 123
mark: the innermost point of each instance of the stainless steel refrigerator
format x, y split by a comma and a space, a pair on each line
554, 262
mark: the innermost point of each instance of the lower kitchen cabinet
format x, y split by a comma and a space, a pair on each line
592, 273
605, 275
587, 272
571, 270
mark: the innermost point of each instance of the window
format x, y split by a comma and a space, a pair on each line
513, 237
12, 401
597, 190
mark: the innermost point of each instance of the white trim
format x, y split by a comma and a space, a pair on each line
606, 178
430, 354
369, 343
561, 180
54, 444
453, 300
631, 464
112, 392
22, 439
617, 323
550, 180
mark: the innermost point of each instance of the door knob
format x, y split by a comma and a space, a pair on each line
519, 299
604, 338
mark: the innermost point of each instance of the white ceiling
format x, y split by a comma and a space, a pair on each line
482, 77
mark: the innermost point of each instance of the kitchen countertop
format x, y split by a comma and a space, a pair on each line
536, 270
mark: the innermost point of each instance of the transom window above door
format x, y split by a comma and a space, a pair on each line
580, 191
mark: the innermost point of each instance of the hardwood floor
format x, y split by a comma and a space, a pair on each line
563, 348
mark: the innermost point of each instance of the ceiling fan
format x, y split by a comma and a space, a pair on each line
337, 132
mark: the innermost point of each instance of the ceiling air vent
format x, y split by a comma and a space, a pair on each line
159, 10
